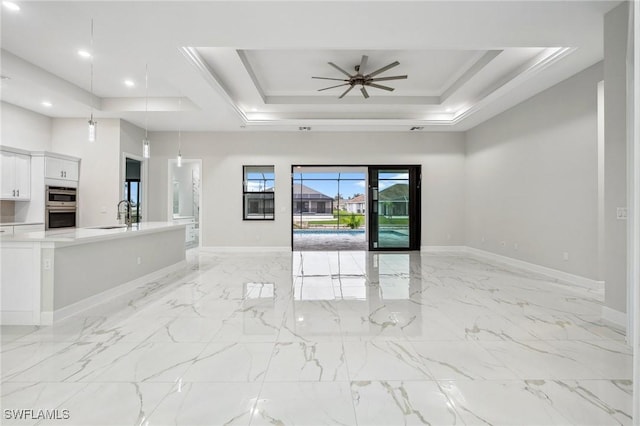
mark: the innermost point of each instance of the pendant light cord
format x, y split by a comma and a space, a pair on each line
146, 101
91, 66
179, 123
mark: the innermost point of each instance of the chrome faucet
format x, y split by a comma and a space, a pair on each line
127, 218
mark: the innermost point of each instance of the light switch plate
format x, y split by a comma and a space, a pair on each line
621, 213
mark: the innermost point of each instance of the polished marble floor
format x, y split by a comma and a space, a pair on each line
336, 338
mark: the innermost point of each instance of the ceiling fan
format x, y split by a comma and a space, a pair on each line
362, 79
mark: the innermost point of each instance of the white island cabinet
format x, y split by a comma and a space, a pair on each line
54, 274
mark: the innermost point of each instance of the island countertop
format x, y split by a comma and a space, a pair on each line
73, 236
49, 275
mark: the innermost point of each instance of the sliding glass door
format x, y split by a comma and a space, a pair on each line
394, 212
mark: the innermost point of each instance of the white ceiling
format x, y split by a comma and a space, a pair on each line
240, 65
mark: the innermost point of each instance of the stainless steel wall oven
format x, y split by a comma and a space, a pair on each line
61, 207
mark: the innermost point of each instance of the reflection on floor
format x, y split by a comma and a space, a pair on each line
329, 338
329, 241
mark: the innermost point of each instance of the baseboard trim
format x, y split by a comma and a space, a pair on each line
614, 317
550, 272
241, 249
120, 290
443, 249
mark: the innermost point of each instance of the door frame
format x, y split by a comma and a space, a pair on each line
144, 178
415, 197
415, 206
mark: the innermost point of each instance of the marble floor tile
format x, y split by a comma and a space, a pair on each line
307, 361
500, 403
152, 362
461, 360
304, 403
384, 360
20, 396
587, 402
328, 338
402, 403
563, 359
206, 404
231, 362
112, 404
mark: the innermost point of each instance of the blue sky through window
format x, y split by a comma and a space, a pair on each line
327, 183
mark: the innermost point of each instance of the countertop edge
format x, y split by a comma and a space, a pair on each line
89, 235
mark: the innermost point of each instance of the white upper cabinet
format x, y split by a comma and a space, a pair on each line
16, 176
58, 168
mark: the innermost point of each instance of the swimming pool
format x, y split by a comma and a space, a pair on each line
328, 231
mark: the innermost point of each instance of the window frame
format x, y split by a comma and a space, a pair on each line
268, 209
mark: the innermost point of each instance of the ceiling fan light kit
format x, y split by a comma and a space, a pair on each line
361, 79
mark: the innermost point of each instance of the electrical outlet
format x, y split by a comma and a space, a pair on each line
483, 239
516, 246
565, 255
139, 261
448, 237
621, 213
46, 264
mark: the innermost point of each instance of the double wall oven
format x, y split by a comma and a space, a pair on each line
60, 207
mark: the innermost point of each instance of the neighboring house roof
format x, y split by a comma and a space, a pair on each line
356, 200
397, 192
303, 191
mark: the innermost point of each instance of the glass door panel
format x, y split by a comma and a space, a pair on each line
395, 207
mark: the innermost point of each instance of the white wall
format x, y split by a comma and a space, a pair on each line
25, 129
531, 179
223, 155
615, 156
99, 187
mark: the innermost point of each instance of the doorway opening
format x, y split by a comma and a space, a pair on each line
185, 198
328, 205
375, 208
133, 189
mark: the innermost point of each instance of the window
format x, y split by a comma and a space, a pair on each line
258, 192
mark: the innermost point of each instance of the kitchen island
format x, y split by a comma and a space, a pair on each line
51, 275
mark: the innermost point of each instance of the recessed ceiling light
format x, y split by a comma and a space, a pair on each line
11, 6
129, 83
254, 109
84, 53
46, 104
449, 110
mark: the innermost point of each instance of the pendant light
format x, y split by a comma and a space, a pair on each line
179, 132
92, 123
146, 149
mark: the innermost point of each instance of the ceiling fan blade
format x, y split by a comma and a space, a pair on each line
364, 92
383, 69
395, 77
327, 78
363, 64
332, 87
340, 69
379, 86
345, 92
